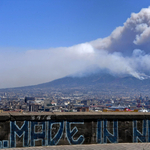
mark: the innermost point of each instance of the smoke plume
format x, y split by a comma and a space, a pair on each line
125, 52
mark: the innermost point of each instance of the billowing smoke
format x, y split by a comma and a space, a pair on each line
135, 34
124, 52
131, 43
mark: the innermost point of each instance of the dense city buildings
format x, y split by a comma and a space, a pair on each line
73, 100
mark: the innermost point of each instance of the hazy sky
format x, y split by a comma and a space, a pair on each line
42, 40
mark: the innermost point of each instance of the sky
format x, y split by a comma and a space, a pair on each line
45, 40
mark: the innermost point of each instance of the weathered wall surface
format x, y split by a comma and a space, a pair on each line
42, 129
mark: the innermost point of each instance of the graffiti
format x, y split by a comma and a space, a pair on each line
138, 135
99, 131
32, 117
58, 135
106, 134
38, 135
53, 132
40, 117
48, 118
4, 144
33, 131
16, 131
71, 133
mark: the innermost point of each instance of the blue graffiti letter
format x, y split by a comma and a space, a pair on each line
35, 136
113, 138
136, 134
99, 131
148, 130
15, 130
58, 135
71, 133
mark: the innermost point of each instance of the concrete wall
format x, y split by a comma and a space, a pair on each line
42, 129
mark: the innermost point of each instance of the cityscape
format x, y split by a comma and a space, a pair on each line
69, 100
75, 72
65, 73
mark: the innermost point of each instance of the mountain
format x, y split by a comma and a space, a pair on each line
104, 83
99, 82
79, 81
95, 81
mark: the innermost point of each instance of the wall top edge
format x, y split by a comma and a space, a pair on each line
41, 116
